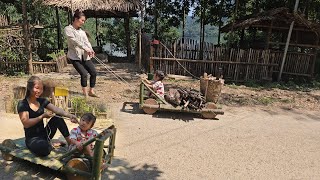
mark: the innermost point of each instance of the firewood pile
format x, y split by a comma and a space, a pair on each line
186, 98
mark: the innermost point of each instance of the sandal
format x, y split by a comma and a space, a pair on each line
93, 95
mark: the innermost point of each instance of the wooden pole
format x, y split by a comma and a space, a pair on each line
269, 35
60, 44
140, 46
97, 38
156, 14
288, 42
183, 22
127, 29
112, 142
141, 94
27, 43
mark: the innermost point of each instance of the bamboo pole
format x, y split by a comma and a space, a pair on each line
106, 133
111, 148
97, 159
141, 93
288, 42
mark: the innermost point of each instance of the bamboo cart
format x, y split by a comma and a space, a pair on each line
151, 105
76, 167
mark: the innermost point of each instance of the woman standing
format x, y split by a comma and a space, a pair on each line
80, 52
31, 113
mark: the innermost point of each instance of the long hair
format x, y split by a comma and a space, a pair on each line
77, 15
30, 84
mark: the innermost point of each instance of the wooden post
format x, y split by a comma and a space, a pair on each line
183, 22
151, 65
97, 37
27, 43
127, 29
315, 57
141, 94
112, 141
288, 42
139, 50
269, 35
60, 44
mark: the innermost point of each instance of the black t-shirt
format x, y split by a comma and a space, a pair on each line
38, 129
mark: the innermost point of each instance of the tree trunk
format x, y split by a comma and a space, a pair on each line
27, 43
220, 20
306, 9
127, 29
60, 44
183, 23
156, 18
97, 34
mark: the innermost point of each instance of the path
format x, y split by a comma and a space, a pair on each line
245, 143
255, 143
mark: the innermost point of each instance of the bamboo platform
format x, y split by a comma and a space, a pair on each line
60, 158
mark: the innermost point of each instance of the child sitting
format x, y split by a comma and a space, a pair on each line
156, 84
82, 133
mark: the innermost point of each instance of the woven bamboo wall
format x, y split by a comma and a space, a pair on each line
236, 64
38, 67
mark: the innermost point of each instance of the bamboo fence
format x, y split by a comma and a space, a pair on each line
38, 67
235, 64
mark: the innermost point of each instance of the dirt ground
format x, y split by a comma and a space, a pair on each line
266, 133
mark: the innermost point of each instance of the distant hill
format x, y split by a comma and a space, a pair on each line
192, 31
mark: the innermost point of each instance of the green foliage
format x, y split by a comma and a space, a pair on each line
113, 31
55, 55
266, 100
80, 105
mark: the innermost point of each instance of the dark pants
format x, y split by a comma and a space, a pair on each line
40, 144
83, 68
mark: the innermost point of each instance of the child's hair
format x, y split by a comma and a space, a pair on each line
160, 74
30, 84
89, 117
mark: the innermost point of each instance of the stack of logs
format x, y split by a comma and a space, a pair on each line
186, 98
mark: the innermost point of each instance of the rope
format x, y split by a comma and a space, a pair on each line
118, 77
179, 62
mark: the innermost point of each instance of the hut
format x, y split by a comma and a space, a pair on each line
103, 9
269, 32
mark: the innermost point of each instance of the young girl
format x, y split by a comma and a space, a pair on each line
31, 113
82, 133
157, 84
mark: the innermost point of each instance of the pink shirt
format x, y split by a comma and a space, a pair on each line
158, 87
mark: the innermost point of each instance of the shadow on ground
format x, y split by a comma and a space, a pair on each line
133, 108
23, 170
121, 169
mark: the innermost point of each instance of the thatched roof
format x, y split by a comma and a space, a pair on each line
108, 5
281, 18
